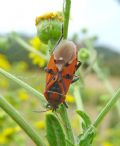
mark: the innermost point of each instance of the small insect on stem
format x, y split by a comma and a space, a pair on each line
60, 72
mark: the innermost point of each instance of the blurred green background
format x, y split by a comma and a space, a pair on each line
29, 67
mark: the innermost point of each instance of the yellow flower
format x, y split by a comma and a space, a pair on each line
22, 94
70, 98
50, 15
3, 139
40, 124
37, 60
8, 132
107, 144
4, 62
38, 45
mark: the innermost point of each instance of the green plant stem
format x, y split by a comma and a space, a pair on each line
28, 47
63, 111
79, 104
106, 109
66, 17
78, 98
70, 144
90, 132
66, 124
24, 85
9, 109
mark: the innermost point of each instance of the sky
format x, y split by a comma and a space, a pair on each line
100, 17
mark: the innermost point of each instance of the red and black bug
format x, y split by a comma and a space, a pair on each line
60, 72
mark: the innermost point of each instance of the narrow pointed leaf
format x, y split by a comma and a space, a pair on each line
55, 134
87, 137
85, 117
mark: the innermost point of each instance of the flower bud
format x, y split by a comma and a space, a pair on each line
83, 54
49, 27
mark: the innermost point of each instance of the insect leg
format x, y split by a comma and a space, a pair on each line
78, 65
65, 104
48, 105
75, 79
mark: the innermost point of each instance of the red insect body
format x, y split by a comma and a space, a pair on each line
58, 82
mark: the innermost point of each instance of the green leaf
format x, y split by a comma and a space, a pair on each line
66, 124
87, 137
55, 134
87, 122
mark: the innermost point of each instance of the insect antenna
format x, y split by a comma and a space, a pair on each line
41, 111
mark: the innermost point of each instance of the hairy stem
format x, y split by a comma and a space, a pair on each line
79, 104
66, 17
63, 111
107, 108
10, 110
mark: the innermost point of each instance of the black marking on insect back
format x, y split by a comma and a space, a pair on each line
55, 61
55, 87
50, 71
68, 76
67, 64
